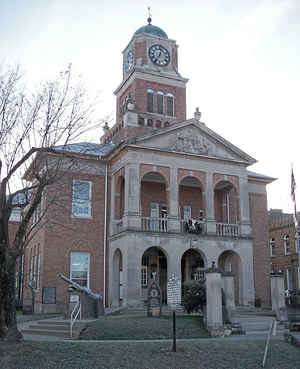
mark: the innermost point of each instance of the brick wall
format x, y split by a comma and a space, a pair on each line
261, 253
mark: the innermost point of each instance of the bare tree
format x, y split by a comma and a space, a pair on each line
31, 127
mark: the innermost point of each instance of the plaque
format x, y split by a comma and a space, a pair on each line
49, 295
174, 292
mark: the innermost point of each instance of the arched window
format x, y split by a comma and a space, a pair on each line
160, 102
272, 247
286, 244
141, 121
170, 105
167, 124
149, 122
158, 124
150, 100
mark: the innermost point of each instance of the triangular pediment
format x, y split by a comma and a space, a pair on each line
193, 137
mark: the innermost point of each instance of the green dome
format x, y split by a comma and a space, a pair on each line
152, 30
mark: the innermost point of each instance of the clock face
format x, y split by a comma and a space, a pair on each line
159, 55
129, 61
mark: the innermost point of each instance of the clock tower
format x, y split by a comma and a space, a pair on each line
152, 94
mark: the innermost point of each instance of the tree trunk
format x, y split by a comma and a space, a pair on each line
8, 324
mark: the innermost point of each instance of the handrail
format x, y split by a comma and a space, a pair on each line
73, 320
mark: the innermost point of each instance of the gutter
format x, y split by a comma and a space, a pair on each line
105, 234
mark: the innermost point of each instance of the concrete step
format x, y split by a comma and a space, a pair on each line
42, 332
65, 323
50, 327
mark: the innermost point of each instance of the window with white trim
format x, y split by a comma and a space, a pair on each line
272, 244
80, 268
150, 97
81, 200
160, 102
187, 212
286, 244
297, 242
170, 105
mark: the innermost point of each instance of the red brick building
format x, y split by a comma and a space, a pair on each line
160, 195
283, 247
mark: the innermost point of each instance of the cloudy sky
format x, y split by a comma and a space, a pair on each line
242, 59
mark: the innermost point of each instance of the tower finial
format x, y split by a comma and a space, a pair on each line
149, 20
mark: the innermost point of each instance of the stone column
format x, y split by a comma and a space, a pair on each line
173, 217
210, 206
228, 288
132, 197
246, 229
277, 295
214, 318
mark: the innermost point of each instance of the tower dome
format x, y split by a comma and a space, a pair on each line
152, 30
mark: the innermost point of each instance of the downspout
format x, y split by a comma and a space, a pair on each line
105, 234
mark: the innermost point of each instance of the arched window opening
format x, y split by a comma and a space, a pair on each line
286, 244
272, 247
170, 105
150, 123
160, 102
141, 121
150, 95
158, 124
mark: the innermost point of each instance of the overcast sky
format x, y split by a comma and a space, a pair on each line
242, 59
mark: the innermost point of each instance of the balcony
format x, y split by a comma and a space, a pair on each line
193, 226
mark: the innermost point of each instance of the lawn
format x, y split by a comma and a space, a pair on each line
204, 354
143, 328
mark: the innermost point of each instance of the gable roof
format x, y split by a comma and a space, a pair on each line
196, 138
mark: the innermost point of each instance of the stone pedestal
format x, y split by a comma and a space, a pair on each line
214, 319
277, 295
228, 287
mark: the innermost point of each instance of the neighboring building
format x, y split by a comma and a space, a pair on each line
283, 247
160, 195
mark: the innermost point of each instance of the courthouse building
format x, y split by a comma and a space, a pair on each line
161, 194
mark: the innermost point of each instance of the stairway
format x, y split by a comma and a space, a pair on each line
52, 328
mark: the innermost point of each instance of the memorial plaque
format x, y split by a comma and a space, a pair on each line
154, 300
174, 292
49, 295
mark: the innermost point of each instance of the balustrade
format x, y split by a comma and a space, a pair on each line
229, 230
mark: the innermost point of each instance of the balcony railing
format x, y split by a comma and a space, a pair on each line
154, 224
228, 230
194, 226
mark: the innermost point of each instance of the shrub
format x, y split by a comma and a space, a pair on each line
194, 296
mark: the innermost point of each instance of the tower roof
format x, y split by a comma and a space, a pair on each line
152, 30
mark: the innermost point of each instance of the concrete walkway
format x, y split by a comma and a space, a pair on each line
255, 325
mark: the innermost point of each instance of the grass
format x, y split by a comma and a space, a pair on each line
208, 354
143, 328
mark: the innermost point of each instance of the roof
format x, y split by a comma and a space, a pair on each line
261, 176
87, 148
152, 30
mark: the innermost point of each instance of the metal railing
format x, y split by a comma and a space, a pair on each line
74, 316
154, 224
229, 230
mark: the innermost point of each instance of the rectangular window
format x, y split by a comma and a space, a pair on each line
154, 215
187, 212
272, 247
81, 200
286, 242
80, 268
150, 101
144, 276
160, 103
170, 106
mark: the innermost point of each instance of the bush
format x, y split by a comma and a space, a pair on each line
194, 296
